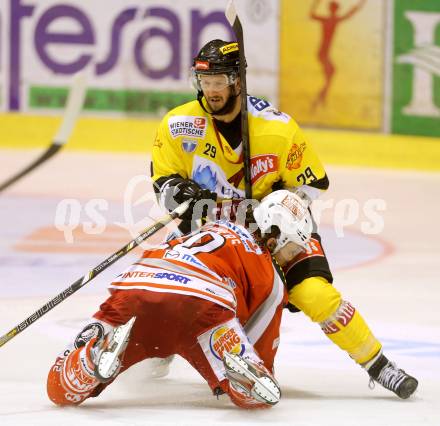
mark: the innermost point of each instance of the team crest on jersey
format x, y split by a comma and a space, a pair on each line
90, 331
295, 156
187, 125
225, 339
189, 145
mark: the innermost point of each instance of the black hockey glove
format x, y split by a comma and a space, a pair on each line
188, 189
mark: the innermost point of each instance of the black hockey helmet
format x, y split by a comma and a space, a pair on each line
217, 57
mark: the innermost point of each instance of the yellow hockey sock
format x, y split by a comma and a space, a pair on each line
339, 320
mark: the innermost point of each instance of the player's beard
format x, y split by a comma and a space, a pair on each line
228, 105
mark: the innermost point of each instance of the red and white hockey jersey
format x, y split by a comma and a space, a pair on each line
222, 263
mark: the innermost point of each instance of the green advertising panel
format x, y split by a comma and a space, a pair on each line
416, 68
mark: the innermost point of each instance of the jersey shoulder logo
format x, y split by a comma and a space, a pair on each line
295, 156
264, 109
257, 103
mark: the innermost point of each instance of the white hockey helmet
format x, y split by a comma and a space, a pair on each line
287, 211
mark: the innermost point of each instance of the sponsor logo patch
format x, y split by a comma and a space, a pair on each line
228, 336
187, 258
183, 125
225, 339
340, 319
231, 47
295, 156
345, 313
295, 207
158, 275
262, 165
200, 122
90, 331
329, 327
171, 254
183, 257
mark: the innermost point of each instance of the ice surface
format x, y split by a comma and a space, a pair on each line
392, 278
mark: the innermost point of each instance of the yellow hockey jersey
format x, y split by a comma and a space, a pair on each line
189, 144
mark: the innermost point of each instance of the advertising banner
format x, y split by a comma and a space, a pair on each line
2, 53
137, 54
416, 68
332, 58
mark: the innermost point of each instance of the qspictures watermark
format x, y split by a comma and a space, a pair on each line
139, 212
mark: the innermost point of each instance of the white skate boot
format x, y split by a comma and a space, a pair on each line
251, 379
107, 359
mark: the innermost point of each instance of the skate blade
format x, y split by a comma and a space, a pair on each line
109, 363
263, 389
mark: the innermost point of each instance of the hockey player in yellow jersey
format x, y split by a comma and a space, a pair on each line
198, 154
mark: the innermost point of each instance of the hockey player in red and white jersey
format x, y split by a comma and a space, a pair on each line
214, 297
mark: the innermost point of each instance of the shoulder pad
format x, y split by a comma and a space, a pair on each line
264, 109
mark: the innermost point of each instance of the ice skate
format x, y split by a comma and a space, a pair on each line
108, 361
251, 379
392, 378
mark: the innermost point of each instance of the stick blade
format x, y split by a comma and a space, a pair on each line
231, 12
74, 104
73, 107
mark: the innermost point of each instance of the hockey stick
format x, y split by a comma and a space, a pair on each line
81, 282
74, 105
234, 21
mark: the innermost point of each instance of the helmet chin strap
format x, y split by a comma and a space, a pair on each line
226, 109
